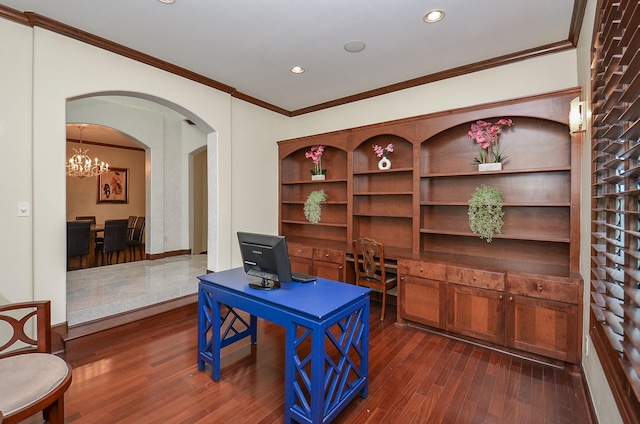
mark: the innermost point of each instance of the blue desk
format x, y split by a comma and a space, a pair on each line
327, 337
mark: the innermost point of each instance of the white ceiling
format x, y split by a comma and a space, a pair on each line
251, 44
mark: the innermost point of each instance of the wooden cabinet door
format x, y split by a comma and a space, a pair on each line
303, 265
543, 327
475, 312
329, 270
422, 300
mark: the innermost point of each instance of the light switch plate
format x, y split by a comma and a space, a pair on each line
24, 209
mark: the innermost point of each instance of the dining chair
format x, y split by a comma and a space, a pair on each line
32, 379
370, 268
136, 240
78, 241
130, 226
115, 240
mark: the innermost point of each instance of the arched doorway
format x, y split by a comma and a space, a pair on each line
169, 140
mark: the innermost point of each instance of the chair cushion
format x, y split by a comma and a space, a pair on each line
27, 378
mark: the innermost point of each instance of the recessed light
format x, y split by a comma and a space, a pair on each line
355, 46
297, 69
167, 1
433, 16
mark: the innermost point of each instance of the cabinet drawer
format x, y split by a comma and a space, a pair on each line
558, 289
328, 255
300, 250
433, 271
476, 278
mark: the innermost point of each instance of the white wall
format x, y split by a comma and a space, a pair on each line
33, 134
16, 249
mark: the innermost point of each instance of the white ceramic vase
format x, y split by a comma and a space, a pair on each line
384, 164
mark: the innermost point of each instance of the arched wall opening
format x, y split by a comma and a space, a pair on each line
176, 161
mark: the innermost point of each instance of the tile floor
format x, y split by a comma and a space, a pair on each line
99, 292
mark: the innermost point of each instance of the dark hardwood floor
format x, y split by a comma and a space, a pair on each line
148, 374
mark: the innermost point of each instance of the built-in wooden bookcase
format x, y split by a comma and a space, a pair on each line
296, 185
523, 290
383, 199
536, 185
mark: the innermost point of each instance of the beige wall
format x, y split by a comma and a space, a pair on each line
82, 192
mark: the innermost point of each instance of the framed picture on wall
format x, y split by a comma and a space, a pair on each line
113, 186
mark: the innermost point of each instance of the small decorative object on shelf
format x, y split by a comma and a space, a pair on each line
486, 135
485, 212
382, 153
312, 207
315, 154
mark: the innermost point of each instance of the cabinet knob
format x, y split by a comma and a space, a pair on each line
474, 278
340, 267
510, 298
326, 255
540, 288
299, 251
501, 297
421, 269
402, 278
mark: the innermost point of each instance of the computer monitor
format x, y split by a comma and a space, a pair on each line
265, 256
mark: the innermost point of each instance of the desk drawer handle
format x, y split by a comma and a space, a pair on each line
299, 251
539, 288
326, 255
501, 297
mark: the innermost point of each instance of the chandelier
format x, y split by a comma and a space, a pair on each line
80, 164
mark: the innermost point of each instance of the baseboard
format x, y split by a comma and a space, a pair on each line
154, 256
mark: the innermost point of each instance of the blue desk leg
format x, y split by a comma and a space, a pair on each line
253, 328
216, 342
317, 374
289, 373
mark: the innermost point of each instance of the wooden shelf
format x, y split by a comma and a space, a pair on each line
378, 171
420, 204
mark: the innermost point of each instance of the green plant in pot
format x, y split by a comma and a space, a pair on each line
485, 212
312, 207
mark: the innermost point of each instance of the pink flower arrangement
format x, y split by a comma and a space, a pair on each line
315, 154
486, 135
383, 151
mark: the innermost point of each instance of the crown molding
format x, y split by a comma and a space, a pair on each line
33, 20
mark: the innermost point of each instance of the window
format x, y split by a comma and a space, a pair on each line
615, 272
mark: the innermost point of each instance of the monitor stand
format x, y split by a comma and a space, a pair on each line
264, 284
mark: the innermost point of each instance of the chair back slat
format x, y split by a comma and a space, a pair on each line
19, 316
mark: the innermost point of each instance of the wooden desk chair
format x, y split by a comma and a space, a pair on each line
370, 269
31, 378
